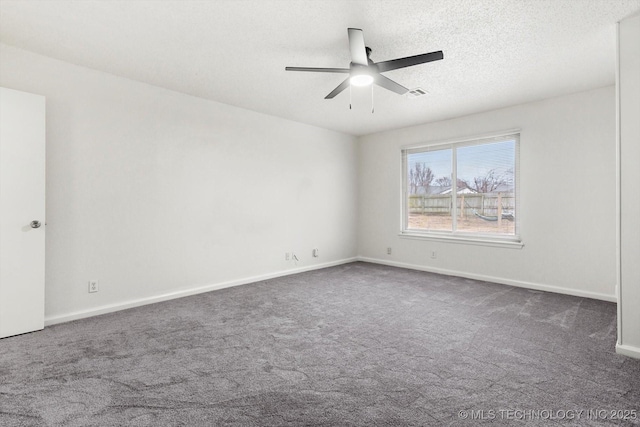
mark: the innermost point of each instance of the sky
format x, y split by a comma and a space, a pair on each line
473, 160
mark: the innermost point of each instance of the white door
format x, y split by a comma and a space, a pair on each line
22, 167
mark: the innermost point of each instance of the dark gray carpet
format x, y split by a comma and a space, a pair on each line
358, 344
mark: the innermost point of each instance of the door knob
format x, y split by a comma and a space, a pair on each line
35, 224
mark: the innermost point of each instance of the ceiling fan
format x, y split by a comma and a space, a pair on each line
363, 71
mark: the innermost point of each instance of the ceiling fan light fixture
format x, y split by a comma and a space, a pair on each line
361, 80
364, 72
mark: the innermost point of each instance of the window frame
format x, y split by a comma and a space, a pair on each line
455, 236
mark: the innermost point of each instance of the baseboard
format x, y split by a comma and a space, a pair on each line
53, 320
517, 283
628, 350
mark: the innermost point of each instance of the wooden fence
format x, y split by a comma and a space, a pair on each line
484, 204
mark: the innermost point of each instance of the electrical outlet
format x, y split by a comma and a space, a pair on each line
316, 253
287, 256
93, 286
389, 251
434, 254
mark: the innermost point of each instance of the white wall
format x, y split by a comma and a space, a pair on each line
156, 193
567, 194
629, 134
153, 192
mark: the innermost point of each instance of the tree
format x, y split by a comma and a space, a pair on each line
490, 181
420, 176
444, 181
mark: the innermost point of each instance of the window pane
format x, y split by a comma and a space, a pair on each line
486, 188
429, 190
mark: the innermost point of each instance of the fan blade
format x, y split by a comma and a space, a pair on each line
408, 61
318, 70
356, 46
342, 86
390, 84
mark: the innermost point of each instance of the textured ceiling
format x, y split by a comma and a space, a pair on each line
496, 52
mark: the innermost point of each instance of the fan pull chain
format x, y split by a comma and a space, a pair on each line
372, 99
349, 97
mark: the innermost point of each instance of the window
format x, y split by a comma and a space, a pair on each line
464, 190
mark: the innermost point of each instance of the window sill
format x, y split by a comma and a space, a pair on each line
512, 242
